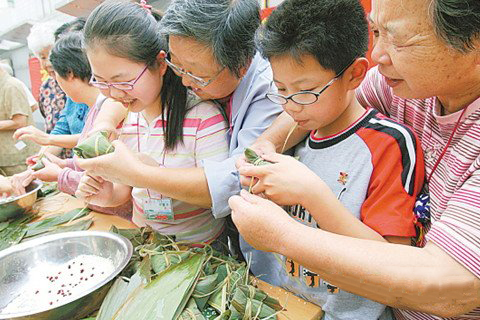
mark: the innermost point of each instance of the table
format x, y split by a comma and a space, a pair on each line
296, 308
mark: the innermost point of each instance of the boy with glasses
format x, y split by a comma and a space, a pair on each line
316, 49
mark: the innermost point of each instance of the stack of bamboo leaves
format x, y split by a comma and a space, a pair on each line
166, 281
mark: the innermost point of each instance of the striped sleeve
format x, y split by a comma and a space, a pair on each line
457, 231
211, 141
374, 92
396, 179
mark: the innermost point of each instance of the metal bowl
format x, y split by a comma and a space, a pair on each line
20, 204
19, 267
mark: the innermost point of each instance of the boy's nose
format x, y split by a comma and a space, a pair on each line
293, 107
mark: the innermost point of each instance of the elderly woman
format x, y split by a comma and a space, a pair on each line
52, 99
211, 46
428, 77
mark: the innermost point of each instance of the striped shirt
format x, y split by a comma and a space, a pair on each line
204, 137
455, 185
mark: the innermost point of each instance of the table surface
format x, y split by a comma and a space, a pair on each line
296, 308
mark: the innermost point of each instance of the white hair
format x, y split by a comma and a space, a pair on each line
41, 36
6, 67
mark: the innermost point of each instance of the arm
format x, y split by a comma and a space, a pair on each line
110, 116
424, 279
65, 141
17, 121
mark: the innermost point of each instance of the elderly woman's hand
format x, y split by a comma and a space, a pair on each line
95, 190
21, 180
31, 133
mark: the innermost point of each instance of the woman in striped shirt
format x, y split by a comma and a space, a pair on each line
166, 126
428, 77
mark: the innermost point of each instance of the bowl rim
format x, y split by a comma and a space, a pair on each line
66, 235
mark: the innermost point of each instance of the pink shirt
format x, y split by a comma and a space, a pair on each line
455, 185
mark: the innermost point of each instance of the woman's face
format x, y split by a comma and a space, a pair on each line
45, 64
197, 59
109, 68
415, 61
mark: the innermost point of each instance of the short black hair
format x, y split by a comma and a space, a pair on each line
68, 55
72, 26
335, 32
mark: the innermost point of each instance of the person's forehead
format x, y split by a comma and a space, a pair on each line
192, 54
396, 15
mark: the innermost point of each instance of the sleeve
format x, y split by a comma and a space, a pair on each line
211, 142
68, 180
223, 179
457, 232
62, 126
374, 92
15, 101
396, 179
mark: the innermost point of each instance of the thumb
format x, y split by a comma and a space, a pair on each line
119, 144
250, 198
46, 161
85, 164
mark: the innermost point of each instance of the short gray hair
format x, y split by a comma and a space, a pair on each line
226, 26
41, 36
457, 22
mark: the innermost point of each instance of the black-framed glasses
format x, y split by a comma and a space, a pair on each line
303, 98
124, 86
197, 80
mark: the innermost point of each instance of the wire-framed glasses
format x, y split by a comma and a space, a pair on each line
124, 86
303, 97
197, 80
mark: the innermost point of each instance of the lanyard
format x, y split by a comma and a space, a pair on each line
138, 148
446, 146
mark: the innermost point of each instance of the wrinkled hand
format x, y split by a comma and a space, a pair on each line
121, 166
48, 174
32, 133
6, 188
94, 190
286, 182
21, 180
262, 223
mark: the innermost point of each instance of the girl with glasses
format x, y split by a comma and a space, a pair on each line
165, 126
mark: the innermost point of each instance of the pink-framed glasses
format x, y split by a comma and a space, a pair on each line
124, 86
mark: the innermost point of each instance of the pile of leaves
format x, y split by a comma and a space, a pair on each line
167, 281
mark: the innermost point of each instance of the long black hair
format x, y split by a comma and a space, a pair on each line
127, 30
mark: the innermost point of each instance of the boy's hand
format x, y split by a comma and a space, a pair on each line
286, 182
94, 190
49, 173
261, 222
6, 188
261, 147
31, 133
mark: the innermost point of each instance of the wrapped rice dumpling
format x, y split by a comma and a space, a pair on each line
39, 164
94, 146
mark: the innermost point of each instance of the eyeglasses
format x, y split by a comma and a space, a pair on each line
197, 80
124, 86
303, 98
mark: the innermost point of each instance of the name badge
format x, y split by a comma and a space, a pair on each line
158, 209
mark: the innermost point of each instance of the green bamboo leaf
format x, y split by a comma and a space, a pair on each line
204, 289
94, 146
252, 303
48, 189
39, 164
78, 226
160, 262
45, 225
4, 225
191, 312
166, 296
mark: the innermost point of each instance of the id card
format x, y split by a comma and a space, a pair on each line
158, 209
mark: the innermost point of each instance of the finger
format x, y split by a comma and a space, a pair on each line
245, 181
94, 180
46, 162
250, 198
240, 162
252, 171
237, 203
275, 157
87, 189
87, 164
28, 179
119, 144
18, 133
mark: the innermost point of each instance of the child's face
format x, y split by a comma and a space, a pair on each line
110, 69
291, 76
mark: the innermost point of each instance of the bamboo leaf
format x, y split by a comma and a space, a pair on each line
166, 296
204, 289
94, 146
45, 225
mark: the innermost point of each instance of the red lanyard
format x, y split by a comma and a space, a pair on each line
446, 146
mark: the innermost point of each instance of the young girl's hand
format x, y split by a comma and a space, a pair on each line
286, 182
94, 190
49, 173
31, 133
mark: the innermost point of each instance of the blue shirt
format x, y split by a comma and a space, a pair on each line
72, 118
252, 113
